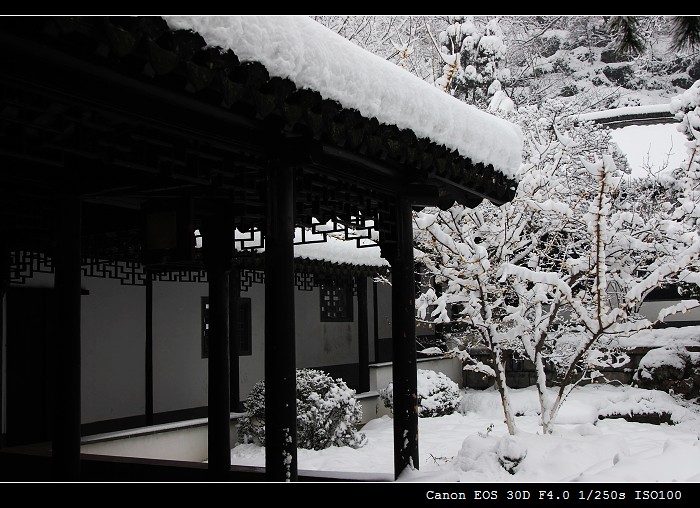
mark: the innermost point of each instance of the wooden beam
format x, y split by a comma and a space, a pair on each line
280, 355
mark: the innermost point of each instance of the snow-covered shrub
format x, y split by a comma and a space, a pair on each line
669, 360
438, 395
327, 413
671, 369
510, 452
491, 455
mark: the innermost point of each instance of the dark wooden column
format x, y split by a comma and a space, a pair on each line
362, 333
235, 330
149, 348
280, 354
4, 284
375, 321
66, 342
403, 313
217, 240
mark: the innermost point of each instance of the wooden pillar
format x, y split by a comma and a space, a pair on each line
362, 334
403, 314
235, 330
375, 322
4, 284
280, 355
149, 348
66, 343
217, 242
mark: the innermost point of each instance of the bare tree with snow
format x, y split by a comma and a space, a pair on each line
560, 272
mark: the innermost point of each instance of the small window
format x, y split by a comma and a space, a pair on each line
243, 322
336, 301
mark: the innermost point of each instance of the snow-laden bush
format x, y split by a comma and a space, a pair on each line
438, 395
491, 455
672, 369
327, 413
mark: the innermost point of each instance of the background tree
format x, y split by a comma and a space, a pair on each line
473, 52
628, 36
570, 58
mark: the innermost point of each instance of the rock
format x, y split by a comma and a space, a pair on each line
611, 56
619, 74
694, 70
682, 82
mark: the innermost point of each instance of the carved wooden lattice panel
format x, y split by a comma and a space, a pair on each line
336, 301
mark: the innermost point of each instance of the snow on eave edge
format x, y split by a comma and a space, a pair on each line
313, 57
333, 250
631, 111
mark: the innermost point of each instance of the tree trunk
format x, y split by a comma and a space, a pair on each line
503, 391
546, 408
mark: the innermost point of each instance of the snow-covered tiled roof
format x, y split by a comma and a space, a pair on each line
630, 115
310, 55
338, 250
660, 109
334, 248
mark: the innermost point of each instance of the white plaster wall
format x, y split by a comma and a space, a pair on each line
186, 441
316, 343
113, 344
451, 367
327, 343
112, 347
384, 310
39, 280
113, 338
252, 367
180, 378
185, 444
650, 310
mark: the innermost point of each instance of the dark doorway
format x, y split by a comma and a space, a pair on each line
29, 402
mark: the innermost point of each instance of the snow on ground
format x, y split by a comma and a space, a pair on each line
466, 446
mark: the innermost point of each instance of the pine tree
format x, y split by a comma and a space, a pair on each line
685, 32
626, 33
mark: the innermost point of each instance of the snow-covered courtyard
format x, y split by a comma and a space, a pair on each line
466, 446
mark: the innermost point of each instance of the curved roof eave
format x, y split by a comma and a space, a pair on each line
315, 58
